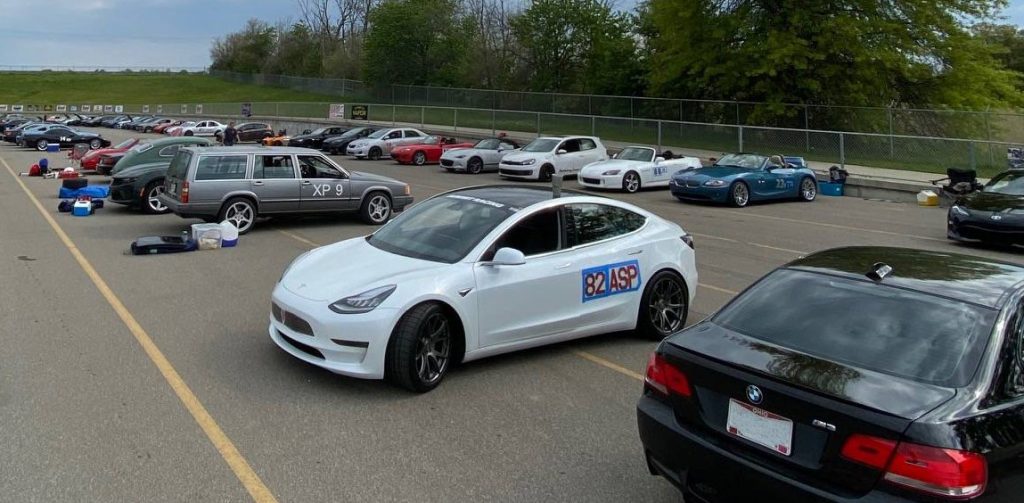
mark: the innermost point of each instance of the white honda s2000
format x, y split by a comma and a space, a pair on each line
481, 271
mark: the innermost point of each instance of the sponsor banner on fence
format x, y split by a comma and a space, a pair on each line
62, 108
246, 109
87, 108
119, 108
199, 109
17, 108
359, 113
184, 109
337, 111
108, 108
73, 108
159, 109
47, 108
3, 108
145, 109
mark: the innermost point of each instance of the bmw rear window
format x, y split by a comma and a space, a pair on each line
871, 326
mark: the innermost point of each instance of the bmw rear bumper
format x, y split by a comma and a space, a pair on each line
707, 471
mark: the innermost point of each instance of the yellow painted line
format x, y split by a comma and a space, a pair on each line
257, 489
776, 248
299, 238
607, 364
717, 288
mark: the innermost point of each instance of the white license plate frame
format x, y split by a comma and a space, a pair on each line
760, 427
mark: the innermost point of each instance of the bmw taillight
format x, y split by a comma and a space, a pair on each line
184, 192
664, 378
948, 473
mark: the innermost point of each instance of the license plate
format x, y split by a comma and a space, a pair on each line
760, 427
174, 187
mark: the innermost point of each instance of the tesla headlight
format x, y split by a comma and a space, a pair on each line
530, 162
958, 211
459, 156
363, 302
611, 172
715, 183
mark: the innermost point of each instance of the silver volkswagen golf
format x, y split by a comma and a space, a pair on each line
239, 184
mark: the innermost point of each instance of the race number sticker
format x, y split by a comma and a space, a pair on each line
606, 280
326, 189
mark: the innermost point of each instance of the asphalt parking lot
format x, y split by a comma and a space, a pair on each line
100, 387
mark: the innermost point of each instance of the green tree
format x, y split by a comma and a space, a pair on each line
246, 50
578, 45
297, 52
415, 42
843, 52
1006, 42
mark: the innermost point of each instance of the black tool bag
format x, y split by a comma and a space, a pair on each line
74, 183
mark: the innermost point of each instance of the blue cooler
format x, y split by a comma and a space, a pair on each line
82, 208
53, 147
830, 188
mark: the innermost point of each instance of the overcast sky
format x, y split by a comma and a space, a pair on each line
148, 33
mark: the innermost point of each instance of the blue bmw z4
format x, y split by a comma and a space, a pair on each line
738, 179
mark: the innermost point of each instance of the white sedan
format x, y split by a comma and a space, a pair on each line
204, 128
634, 168
478, 272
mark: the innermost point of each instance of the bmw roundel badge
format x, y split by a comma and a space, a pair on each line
754, 394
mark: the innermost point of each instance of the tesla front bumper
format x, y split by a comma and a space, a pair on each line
348, 344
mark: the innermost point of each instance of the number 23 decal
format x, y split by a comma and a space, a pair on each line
612, 279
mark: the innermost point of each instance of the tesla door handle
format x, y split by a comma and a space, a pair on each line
306, 182
635, 252
563, 266
257, 183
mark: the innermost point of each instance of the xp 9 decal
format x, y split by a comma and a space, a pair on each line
612, 279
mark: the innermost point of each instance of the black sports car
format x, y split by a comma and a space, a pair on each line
65, 137
854, 374
316, 138
338, 144
995, 214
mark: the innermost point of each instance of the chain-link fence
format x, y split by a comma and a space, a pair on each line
881, 150
976, 125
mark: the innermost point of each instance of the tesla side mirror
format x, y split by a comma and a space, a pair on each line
562, 151
508, 256
659, 160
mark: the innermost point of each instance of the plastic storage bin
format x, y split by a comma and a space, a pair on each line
53, 147
207, 236
830, 188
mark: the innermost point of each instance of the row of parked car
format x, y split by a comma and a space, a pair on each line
38, 133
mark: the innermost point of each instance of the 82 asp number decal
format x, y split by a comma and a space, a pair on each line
605, 280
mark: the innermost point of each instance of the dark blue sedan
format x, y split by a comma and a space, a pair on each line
738, 179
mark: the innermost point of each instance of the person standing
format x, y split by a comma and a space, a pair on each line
230, 135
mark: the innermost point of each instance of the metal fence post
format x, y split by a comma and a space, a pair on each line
988, 136
494, 122
394, 110
593, 126
842, 151
455, 119
423, 117
538, 123
392, 94
738, 114
892, 143
659, 136
807, 132
741, 139
970, 150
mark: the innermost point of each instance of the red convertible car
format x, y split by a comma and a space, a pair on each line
428, 152
91, 160
160, 128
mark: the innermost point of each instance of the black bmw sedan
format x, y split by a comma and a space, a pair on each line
853, 374
994, 215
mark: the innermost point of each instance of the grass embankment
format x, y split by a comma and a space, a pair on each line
51, 88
